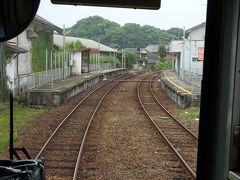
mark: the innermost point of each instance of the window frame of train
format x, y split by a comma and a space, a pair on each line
219, 111
234, 160
136, 4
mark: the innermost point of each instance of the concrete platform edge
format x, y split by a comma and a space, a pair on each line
48, 99
182, 99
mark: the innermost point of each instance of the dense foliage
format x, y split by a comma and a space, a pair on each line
110, 59
130, 35
163, 64
72, 46
39, 46
162, 51
131, 59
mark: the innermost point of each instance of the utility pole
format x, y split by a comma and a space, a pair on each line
63, 63
64, 54
1, 61
122, 58
98, 54
2, 73
114, 66
183, 54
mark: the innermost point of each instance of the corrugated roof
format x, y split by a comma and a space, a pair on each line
41, 20
195, 27
153, 48
88, 43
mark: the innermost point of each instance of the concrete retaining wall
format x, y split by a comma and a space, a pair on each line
36, 98
182, 100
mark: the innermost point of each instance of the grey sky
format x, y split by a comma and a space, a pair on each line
173, 13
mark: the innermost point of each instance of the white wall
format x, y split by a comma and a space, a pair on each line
176, 46
189, 52
24, 60
77, 63
197, 34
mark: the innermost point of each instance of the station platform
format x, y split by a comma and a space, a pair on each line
60, 91
180, 91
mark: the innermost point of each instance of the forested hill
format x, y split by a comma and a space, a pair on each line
129, 35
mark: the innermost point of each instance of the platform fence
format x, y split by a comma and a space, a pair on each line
102, 66
33, 80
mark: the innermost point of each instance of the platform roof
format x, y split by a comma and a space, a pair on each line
88, 43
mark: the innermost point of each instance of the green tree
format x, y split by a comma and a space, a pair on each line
93, 27
162, 51
131, 59
130, 35
177, 32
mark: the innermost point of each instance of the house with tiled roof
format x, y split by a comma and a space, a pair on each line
147, 57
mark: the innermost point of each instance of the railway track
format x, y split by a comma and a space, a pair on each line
181, 141
62, 151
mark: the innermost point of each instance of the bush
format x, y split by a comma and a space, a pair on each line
131, 60
107, 59
110, 59
163, 64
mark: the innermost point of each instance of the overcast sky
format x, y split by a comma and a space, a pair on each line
173, 13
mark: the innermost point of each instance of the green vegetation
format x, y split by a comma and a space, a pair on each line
163, 64
177, 32
129, 35
22, 116
190, 114
162, 51
110, 59
106, 59
131, 59
39, 46
72, 46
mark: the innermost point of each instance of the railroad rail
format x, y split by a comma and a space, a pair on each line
62, 151
183, 143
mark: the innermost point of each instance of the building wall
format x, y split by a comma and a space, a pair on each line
77, 63
20, 65
188, 55
187, 52
197, 34
176, 46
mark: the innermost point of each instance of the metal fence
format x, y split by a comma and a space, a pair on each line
102, 66
30, 81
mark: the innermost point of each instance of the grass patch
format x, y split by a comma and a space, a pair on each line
22, 115
190, 114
